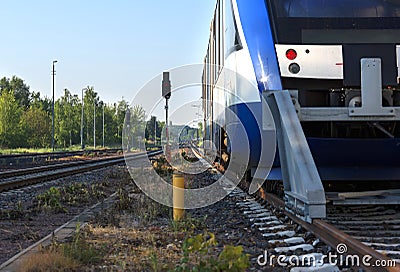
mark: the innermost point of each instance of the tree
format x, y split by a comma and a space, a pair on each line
68, 116
18, 88
25, 117
10, 113
36, 127
119, 117
90, 101
110, 127
137, 121
200, 130
154, 124
41, 103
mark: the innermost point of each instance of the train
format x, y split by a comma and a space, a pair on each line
336, 58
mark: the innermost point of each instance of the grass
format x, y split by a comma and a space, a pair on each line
188, 224
65, 257
137, 234
48, 261
7, 151
74, 194
37, 150
140, 235
135, 206
200, 254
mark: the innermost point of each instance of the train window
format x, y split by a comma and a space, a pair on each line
221, 33
335, 21
337, 8
208, 83
213, 58
216, 35
342, 36
232, 39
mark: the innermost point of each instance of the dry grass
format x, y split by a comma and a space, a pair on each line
48, 261
138, 249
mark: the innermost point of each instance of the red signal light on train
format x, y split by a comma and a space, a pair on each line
291, 54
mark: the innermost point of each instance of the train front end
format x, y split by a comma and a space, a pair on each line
340, 60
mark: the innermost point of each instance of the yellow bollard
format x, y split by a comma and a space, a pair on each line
178, 196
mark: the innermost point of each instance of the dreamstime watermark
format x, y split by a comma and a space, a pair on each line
230, 114
338, 258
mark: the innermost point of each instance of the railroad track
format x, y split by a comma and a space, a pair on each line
288, 245
7, 159
375, 226
371, 231
56, 154
19, 178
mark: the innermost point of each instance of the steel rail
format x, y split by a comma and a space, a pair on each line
45, 168
32, 177
56, 154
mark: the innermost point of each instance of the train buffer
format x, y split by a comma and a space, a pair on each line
304, 193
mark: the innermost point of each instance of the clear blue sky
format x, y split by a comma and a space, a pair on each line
115, 46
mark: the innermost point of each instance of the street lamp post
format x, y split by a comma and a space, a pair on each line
199, 118
198, 115
155, 130
69, 119
82, 146
94, 123
52, 107
103, 122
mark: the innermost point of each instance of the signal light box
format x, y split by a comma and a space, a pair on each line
166, 86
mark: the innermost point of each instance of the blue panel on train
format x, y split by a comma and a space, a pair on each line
259, 38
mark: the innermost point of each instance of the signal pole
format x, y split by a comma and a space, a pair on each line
166, 93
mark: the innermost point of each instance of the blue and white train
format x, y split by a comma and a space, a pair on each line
313, 48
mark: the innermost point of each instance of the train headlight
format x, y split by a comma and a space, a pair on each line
294, 68
291, 54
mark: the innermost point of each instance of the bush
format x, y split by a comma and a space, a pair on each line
198, 255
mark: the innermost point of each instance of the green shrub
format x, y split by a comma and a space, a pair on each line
50, 199
198, 256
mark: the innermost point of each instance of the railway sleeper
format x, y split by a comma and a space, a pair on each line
362, 222
285, 238
364, 215
366, 228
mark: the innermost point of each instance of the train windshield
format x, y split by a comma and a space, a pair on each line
336, 21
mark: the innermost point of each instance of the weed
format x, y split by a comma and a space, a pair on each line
78, 193
162, 167
64, 257
115, 174
15, 212
19, 207
233, 259
188, 158
80, 250
74, 194
50, 200
154, 261
140, 206
188, 224
124, 201
198, 255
